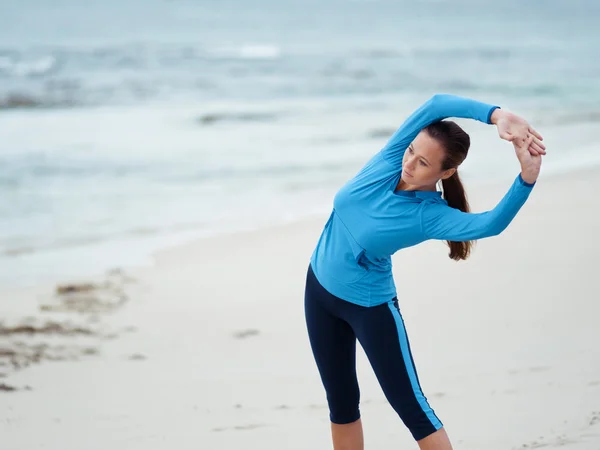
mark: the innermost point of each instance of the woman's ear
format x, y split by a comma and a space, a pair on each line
448, 173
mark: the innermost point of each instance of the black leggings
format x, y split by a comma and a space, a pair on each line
333, 327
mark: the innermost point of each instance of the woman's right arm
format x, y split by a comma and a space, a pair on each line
438, 107
440, 221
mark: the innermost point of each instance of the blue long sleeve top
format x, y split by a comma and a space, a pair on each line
371, 221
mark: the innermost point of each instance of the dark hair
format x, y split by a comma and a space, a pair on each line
456, 142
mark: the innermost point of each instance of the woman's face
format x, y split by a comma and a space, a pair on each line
422, 163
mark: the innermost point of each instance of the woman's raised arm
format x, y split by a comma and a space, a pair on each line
441, 106
438, 107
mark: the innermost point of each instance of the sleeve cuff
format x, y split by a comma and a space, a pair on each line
490, 112
524, 183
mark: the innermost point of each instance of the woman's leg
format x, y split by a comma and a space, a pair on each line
334, 348
380, 330
437, 441
347, 436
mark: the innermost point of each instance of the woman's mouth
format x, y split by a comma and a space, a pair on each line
408, 173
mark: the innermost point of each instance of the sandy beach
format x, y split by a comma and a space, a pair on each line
167, 167
207, 349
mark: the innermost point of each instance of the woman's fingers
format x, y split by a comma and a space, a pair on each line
526, 138
526, 144
536, 134
532, 144
538, 142
538, 149
506, 135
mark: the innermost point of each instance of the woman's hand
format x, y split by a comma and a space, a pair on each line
530, 163
511, 127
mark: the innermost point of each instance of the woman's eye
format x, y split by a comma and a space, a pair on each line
410, 150
423, 163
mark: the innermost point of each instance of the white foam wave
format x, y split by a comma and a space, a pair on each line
260, 52
26, 68
249, 51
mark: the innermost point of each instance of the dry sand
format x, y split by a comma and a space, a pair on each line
208, 350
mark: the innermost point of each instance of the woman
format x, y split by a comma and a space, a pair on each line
391, 204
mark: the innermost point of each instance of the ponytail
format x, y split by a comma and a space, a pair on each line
456, 143
454, 194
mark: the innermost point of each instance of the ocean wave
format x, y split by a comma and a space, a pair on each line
17, 170
49, 60
438, 51
379, 133
248, 51
382, 53
570, 118
338, 71
27, 67
465, 52
213, 118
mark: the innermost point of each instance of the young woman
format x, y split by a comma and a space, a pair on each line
391, 204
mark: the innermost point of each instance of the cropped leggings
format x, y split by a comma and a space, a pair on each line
334, 325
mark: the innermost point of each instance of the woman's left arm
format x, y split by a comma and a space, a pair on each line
438, 107
441, 106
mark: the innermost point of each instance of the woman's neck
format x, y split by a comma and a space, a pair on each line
404, 186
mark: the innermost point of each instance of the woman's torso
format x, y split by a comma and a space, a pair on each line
369, 222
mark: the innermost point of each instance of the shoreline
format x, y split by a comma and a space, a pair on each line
141, 251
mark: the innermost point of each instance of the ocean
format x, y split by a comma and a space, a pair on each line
127, 127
